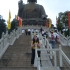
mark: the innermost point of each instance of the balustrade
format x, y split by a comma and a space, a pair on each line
8, 39
64, 40
52, 53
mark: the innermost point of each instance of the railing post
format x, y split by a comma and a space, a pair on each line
7, 35
38, 63
55, 60
47, 44
38, 60
6, 39
60, 56
10, 38
35, 61
40, 36
45, 40
42, 39
50, 51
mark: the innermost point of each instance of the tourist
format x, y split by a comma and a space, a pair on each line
52, 39
26, 32
34, 41
56, 36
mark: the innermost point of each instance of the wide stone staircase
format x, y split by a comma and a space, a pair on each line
18, 55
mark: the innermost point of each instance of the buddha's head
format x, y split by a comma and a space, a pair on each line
20, 2
32, 1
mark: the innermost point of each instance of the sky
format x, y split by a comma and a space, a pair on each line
52, 8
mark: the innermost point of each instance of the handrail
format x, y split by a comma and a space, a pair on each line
64, 40
53, 53
7, 40
67, 59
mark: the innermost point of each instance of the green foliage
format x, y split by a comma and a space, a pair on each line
2, 26
67, 33
63, 21
14, 24
59, 25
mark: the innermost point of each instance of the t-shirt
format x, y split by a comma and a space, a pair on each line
52, 36
34, 46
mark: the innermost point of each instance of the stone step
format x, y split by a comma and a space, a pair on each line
18, 68
50, 68
17, 55
65, 68
15, 63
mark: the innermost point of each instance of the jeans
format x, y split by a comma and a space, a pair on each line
52, 43
33, 56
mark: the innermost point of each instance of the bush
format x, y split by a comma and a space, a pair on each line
2, 26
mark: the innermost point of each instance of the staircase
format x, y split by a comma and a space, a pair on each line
18, 55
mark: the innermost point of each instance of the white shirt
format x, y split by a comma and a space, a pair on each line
42, 32
23, 31
55, 34
29, 30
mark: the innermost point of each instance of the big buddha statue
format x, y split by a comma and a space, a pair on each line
20, 8
31, 12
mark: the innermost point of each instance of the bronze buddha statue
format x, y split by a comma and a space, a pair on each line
31, 10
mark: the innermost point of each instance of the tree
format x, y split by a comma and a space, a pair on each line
2, 26
59, 25
63, 21
14, 24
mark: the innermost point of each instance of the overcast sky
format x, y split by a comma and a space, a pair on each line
52, 7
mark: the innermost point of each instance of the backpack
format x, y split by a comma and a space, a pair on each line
57, 39
52, 36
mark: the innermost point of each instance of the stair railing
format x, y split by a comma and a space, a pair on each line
52, 54
3, 43
8, 39
64, 40
61, 53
